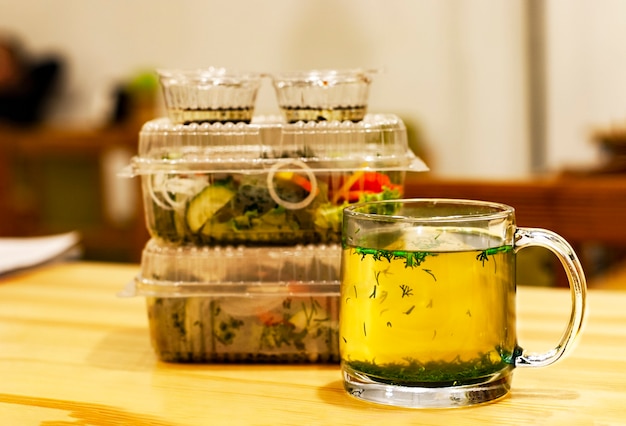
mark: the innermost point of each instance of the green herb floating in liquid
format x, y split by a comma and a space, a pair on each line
412, 258
434, 373
483, 255
416, 258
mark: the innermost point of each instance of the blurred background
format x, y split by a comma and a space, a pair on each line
491, 92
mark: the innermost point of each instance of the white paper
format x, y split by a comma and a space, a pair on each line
23, 252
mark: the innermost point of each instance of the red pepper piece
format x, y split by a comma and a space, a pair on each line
372, 182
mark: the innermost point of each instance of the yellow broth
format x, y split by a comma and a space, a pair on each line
428, 318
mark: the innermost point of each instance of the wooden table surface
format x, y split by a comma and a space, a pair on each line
74, 353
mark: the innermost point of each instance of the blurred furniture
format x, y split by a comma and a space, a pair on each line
586, 209
27, 82
74, 353
58, 180
613, 279
612, 145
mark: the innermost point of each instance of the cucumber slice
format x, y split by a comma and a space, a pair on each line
204, 205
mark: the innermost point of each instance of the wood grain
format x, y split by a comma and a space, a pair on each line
74, 353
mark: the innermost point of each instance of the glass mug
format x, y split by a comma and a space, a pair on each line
427, 314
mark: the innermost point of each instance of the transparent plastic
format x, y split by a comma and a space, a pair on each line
323, 95
209, 95
268, 182
241, 304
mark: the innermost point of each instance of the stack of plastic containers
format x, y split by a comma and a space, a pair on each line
245, 211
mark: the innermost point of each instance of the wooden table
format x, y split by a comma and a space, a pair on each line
73, 353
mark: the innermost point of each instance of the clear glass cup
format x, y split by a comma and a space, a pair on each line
209, 95
323, 95
427, 316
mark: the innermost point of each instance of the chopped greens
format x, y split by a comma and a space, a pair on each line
208, 209
221, 329
435, 373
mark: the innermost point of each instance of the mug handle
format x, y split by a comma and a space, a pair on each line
527, 237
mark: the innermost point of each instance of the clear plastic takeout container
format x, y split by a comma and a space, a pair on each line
241, 304
268, 182
209, 94
323, 95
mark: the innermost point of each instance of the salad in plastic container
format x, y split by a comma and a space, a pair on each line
241, 304
267, 182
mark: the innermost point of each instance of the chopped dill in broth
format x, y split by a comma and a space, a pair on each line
442, 317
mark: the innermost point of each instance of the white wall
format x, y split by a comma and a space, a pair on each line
455, 68
586, 76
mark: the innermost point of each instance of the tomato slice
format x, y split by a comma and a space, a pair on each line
361, 183
372, 182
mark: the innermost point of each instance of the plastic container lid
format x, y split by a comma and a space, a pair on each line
185, 271
378, 142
